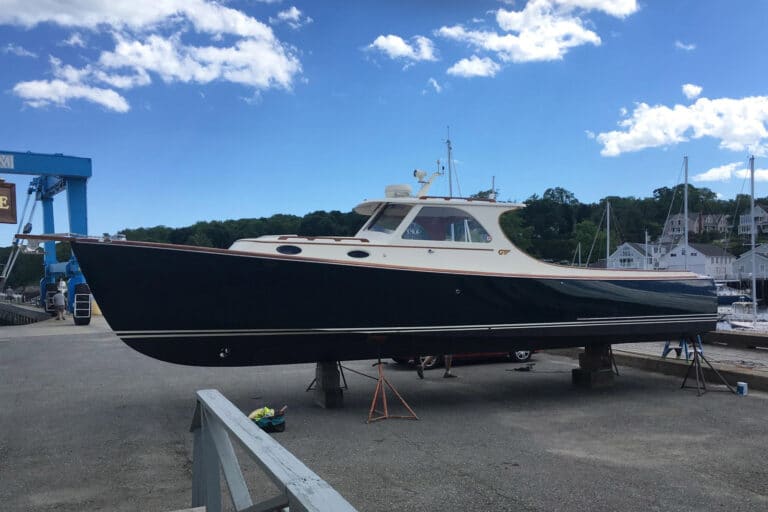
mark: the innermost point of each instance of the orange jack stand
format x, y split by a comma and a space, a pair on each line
382, 392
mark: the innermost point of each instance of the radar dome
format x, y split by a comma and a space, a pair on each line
398, 191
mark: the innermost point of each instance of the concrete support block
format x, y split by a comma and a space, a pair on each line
595, 369
328, 391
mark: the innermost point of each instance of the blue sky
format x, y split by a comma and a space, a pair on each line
193, 110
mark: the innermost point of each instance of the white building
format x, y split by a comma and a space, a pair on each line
705, 259
742, 266
761, 222
634, 256
715, 222
674, 228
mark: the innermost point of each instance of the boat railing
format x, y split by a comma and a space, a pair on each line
334, 238
214, 421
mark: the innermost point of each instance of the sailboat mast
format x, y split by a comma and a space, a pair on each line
607, 231
752, 232
645, 258
685, 213
450, 163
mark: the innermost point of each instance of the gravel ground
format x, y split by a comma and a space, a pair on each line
89, 424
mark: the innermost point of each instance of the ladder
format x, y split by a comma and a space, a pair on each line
687, 345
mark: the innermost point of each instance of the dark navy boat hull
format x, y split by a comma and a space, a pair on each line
213, 307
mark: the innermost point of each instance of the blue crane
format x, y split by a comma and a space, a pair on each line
54, 174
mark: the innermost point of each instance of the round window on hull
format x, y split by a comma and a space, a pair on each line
288, 249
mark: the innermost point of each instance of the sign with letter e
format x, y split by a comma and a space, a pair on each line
7, 203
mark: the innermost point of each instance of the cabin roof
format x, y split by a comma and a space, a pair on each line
367, 207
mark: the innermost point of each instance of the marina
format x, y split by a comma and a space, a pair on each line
268, 256
90, 424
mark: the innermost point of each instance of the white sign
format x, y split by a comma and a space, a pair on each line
6, 161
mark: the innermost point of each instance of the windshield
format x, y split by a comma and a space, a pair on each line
388, 218
441, 223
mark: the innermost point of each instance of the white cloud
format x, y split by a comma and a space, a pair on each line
474, 66
728, 171
41, 93
760, 174
293, 17
692, 91
722, 173
18, 51
623, 112
688, 47
543, 30
395, 47
250, 61
436, 86
590, 134
739, 124
75, 39
148, 40
204, 15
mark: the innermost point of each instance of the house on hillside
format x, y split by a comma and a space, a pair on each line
674, 228
761, 222
715, 223
742, 266
705, 259
632, 255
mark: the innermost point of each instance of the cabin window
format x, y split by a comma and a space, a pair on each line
288, 249
388, 218
694, 254
358, 254
446, 224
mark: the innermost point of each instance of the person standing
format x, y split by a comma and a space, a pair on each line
448, 359
58, 304
427, 361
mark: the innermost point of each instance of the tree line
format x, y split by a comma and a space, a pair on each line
551, 226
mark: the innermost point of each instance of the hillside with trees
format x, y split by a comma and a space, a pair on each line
550, 227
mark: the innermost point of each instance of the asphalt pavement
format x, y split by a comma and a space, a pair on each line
86, 423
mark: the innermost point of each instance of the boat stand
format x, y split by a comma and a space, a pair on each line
381, 392
701, 382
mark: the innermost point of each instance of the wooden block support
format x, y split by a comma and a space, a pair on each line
595, 369
328, 392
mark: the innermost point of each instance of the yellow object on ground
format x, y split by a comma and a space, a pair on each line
264, 412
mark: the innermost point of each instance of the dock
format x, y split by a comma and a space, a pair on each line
89, 424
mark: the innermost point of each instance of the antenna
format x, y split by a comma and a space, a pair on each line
450, 162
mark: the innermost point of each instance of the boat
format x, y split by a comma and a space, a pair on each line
726, 295
424, 275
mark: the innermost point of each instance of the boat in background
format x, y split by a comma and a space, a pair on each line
424, 275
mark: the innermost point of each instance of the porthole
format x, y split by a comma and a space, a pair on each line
358, 254
288, 249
